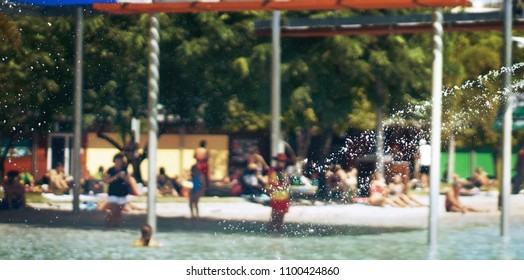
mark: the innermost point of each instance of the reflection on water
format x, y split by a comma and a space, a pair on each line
476, 242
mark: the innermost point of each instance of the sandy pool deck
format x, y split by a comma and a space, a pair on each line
214, 211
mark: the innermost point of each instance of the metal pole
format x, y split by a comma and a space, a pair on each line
34, 155
451, 158
380, 140
154, 77
275, 86
67, 154
508, 121
77, 141
436, 113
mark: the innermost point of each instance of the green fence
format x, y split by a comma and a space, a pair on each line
467, 161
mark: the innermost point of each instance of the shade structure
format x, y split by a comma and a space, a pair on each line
60, 3
382, 25
173, 6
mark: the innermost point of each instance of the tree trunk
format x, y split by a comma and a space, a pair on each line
327, 145
303, 137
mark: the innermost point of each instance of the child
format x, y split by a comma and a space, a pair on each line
146, 240
278, 187
198, 190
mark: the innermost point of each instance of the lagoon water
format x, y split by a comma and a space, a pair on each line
471, 242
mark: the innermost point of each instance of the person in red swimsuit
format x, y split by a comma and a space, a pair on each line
202, 155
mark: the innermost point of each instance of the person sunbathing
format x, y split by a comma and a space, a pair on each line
453, 204
480, 179
399, 190
14, 192
379, 194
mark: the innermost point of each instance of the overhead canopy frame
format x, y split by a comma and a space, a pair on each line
147, 6
381, 25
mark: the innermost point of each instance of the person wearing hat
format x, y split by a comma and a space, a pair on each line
278, 188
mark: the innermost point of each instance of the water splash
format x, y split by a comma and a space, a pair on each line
463, 106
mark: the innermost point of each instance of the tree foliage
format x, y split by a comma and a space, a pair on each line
473, 94
215, 73
35, 76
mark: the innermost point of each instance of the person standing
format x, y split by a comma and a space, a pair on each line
202, 156
198, 190
424, 162
278, 188
120, 185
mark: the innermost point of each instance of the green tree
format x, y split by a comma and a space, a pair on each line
473, 95
116, 80
9, 33
344, 74
212, 58
35, 76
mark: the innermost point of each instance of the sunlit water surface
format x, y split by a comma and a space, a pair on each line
34, 243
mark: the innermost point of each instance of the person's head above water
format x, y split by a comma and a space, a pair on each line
147, 233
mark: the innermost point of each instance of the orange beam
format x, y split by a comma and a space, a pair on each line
270, 5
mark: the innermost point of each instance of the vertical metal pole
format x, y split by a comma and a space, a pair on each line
135, 129
380, 141
275, 86
154, 77
77, 141
49, 151
451, 159
508, 121
68, 165
436, 114
34, 153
